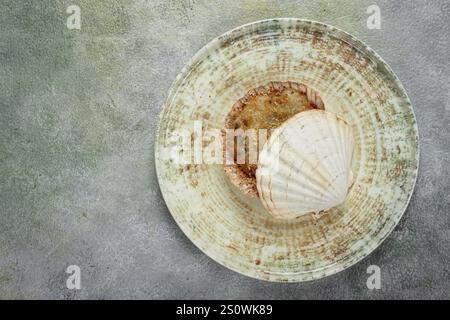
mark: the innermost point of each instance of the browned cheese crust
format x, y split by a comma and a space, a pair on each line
265, 107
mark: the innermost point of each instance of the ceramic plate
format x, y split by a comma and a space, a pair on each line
355, 83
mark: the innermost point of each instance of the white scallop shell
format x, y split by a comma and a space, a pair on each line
305, 167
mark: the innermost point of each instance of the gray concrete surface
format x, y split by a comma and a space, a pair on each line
78, 112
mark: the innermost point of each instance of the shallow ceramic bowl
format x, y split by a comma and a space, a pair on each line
355, 83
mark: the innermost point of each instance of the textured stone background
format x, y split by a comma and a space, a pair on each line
77, 124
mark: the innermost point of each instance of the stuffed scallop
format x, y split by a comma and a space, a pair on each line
265, 107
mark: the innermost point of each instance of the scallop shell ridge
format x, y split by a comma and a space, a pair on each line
306, 165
